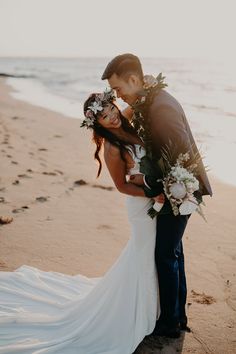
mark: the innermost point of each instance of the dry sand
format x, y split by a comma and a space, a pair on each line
81, 228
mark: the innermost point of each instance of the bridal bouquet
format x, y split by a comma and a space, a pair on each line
180, 184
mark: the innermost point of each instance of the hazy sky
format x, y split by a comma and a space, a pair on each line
176, 28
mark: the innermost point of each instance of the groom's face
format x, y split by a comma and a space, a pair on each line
126, 89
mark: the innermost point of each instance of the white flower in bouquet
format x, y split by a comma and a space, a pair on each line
180, 173
192, 185
188, 206
178, 190
180, 184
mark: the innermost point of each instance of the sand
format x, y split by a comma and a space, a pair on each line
82, 227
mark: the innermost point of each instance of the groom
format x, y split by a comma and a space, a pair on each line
166, 122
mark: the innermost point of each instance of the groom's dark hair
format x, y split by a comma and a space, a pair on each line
123, 65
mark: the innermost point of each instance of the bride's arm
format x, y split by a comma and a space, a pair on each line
128, 113
117, 169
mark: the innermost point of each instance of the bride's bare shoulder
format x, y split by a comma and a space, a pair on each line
110, 150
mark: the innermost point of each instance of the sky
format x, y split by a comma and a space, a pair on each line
104, 28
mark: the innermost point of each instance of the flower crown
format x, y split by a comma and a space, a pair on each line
100, 100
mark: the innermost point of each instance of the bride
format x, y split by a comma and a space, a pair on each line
48, 312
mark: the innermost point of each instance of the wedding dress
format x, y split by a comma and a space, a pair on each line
49, 312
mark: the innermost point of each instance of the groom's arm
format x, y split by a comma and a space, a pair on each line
167, 126
151, 187
149, 191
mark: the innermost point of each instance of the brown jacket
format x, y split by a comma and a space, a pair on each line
168, 123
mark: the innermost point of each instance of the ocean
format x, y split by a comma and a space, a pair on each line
205, 88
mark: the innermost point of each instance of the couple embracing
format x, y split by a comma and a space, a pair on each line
144, 292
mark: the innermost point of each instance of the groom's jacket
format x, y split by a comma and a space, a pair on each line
168, 123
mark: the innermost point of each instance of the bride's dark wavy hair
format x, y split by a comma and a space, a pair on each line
100, 134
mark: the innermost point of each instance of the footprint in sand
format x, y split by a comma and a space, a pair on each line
60, 172
80, 182
229, 298
14, 162
41, 199
103, 187
104, 227
49, 173
23, 175
19, 210
202, 298
16, 182
42, 149
2, 200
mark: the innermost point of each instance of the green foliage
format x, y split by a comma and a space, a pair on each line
140, 108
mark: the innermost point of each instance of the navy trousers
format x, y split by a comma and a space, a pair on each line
169, 259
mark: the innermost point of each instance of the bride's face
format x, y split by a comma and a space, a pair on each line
110, 117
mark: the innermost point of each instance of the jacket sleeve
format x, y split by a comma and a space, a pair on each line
168, 127
152, 188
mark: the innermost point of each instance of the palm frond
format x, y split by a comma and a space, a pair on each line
200, 212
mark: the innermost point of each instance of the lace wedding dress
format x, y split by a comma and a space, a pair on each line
49, 312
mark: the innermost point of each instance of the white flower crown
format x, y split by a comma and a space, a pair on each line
100, 100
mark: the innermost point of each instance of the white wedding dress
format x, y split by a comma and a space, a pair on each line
48, 312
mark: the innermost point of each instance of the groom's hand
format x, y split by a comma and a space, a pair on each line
137, 179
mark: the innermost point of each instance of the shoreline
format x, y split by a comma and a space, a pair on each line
82, 228
32, 91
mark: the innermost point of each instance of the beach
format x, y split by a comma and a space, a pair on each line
65, 220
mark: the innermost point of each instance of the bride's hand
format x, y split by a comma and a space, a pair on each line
136, 179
